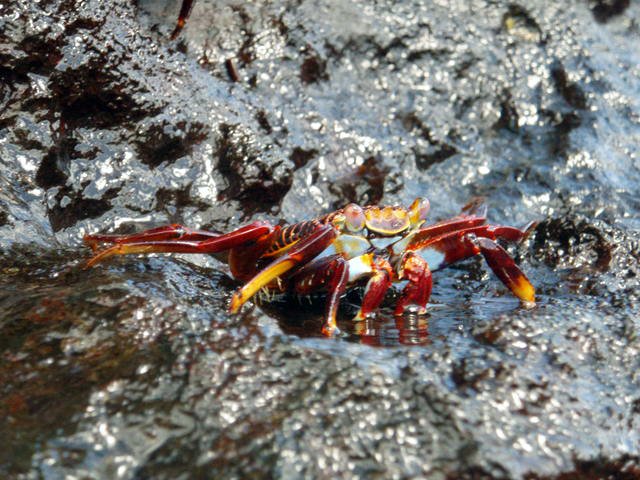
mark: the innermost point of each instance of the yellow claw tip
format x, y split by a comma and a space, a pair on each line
236, 303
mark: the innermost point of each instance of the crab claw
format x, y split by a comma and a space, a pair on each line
381, 275
301, 253
418, 291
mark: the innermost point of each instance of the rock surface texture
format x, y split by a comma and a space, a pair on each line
286, 110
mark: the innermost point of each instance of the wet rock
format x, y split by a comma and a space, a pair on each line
604, 10
571, 92
366, 185
300, 157
571, 241
517, 21
250, 178
283, 111
167, 142
313, 70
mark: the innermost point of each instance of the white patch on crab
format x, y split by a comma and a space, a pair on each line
399, 247
330, 250
359, 267
384, 242
350, 246
434, 258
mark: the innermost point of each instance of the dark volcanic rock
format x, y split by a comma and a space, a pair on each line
286, 110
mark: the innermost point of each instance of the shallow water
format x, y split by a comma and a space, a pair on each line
133, 369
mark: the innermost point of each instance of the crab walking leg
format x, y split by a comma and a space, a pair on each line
338, 278
441, 233
475, 208
168, 232
301, 253
185, 11
505, 269
131, 244
430, 233
452, 247
457, 246
243, 260
330, 274
377, 286
418, 291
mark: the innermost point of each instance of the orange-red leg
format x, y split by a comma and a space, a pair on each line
168, 232
418, 291
185, 10
330, 274
506, 270
376, 289
301, 253
175, 239
456, 246
430, 233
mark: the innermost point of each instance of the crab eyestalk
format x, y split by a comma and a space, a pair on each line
418, 211
354, 218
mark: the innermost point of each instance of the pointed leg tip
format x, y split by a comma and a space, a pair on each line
412, 309
523, 289
476, 207
235, 304
330, 330
529, 229
360, 316
93, 261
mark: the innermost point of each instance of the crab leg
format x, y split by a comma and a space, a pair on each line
167, 240
168, 232
377, 286
506, 270
301, 253
473, 214
418, 291
452, 247
330, 273
429, 233
185, 11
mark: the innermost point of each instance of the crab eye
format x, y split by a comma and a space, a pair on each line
354, 217
419, 210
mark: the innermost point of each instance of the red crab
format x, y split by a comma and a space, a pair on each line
353, 245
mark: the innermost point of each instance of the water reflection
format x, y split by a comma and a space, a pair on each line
383, 329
